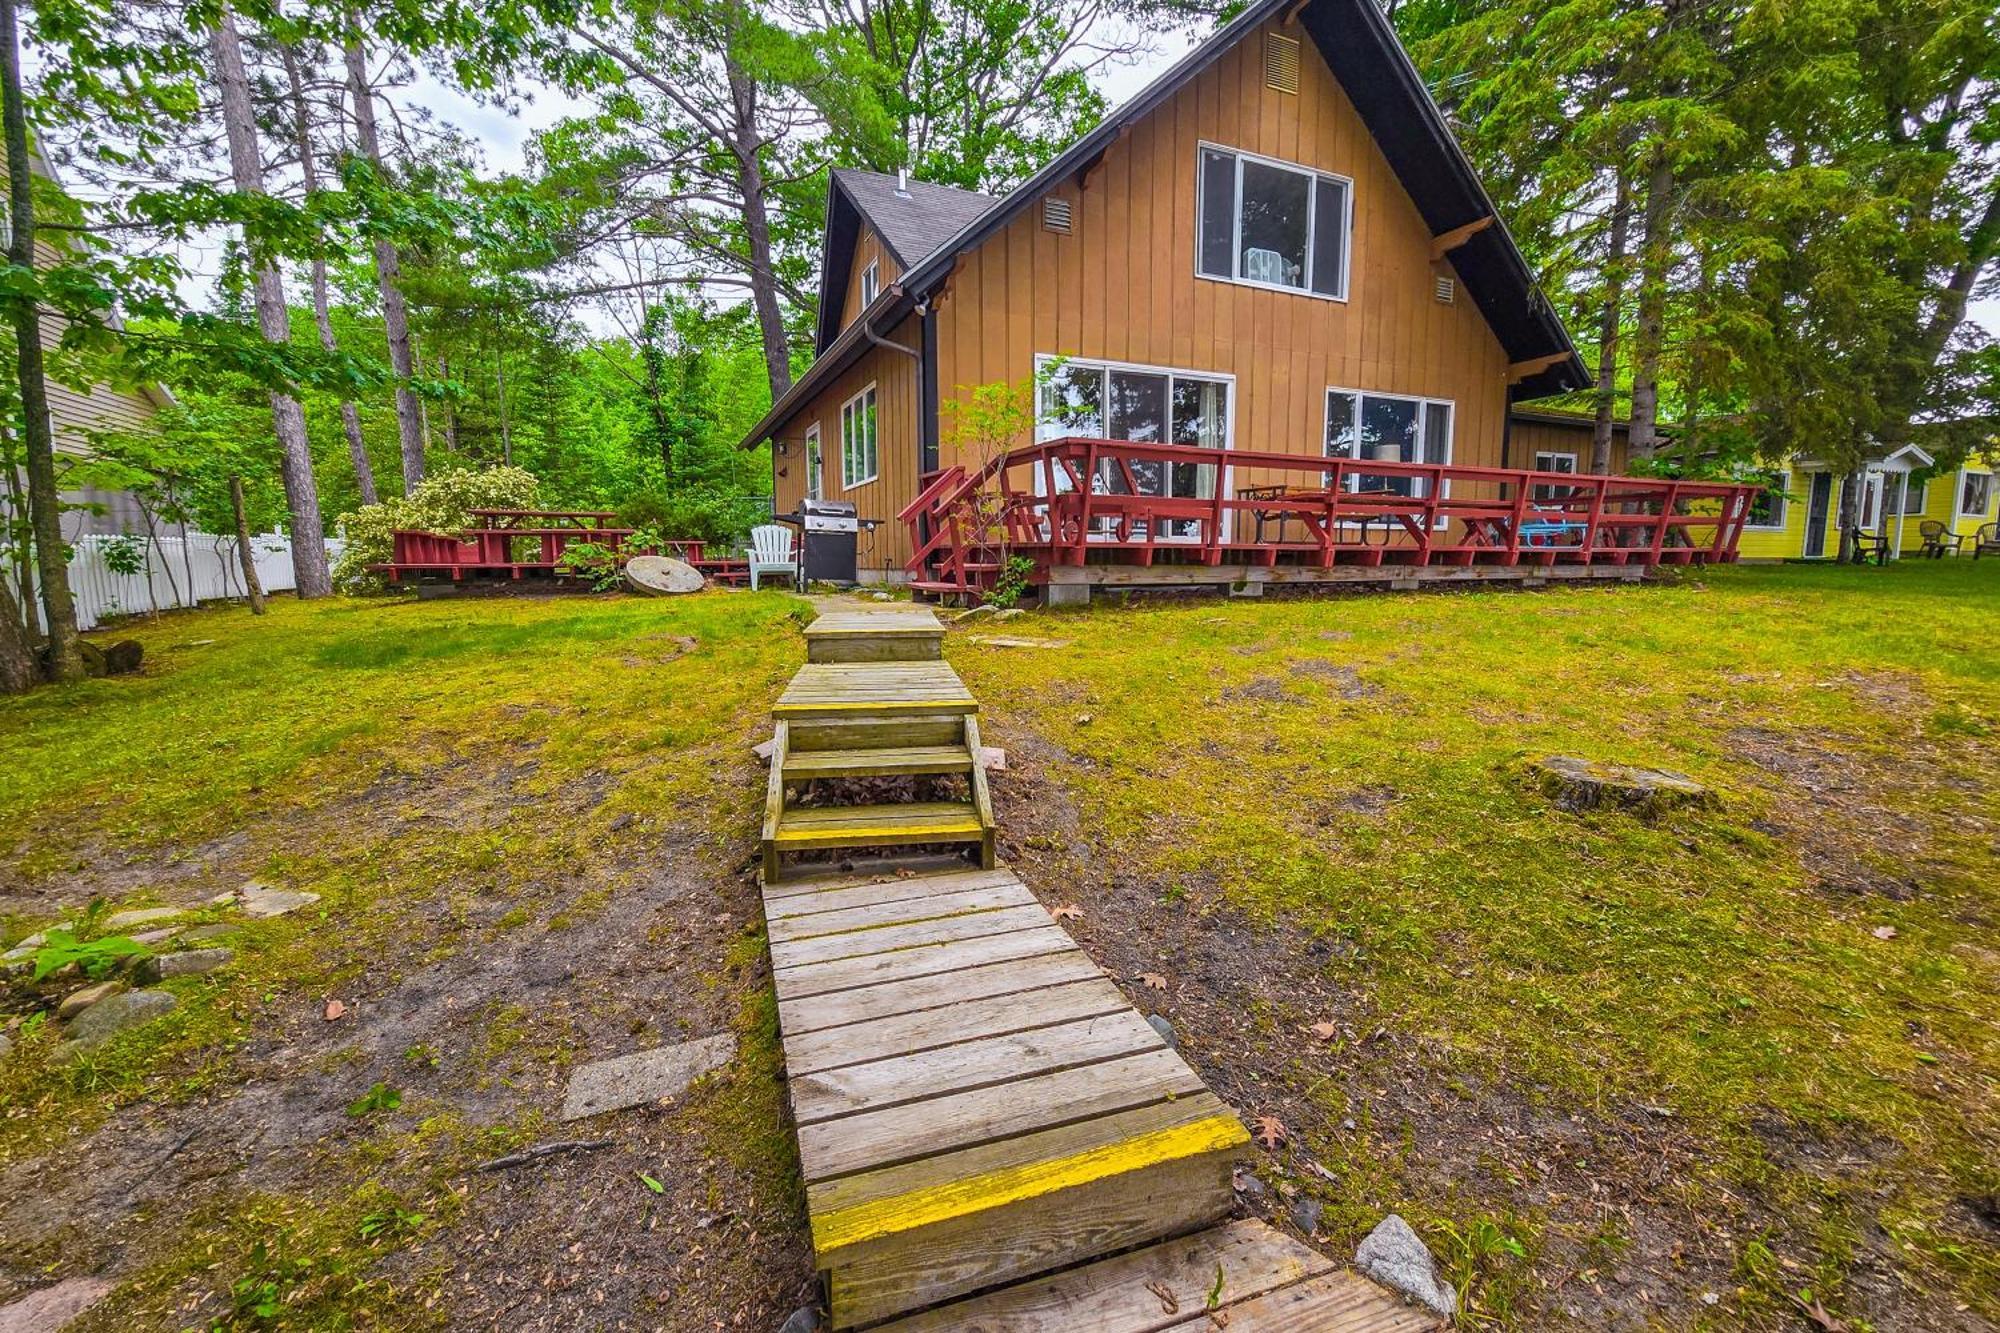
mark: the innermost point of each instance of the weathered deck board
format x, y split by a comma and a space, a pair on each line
902, 911
886, 939
997, 980
1269, 1282
902, 634
918, 961
958, 1020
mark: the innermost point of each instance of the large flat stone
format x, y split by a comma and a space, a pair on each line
49, 1308
647, 1076
120, 922
262, 900
121, 1013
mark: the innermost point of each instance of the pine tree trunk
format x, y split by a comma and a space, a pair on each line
1609, 321
253, 587
65, 657
350, 419
751, 185
1649, 334
388, 272
273, 316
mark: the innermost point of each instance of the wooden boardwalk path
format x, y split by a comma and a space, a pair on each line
976, 1103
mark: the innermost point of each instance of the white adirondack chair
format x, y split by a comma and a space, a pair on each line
771, 552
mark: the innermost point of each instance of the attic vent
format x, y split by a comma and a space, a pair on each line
1056, 214
1281, 62
1447, 290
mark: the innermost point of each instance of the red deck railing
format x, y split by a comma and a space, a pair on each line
1078, 501
517, 543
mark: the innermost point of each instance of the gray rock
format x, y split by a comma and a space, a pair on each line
1584, 784
49, 1308
1009, 614
647, 1076
981, 610
1394, 1256
160, 936
77, 1001
805, 1319
1247, 1184
6, 1045
1160, 1025
120, 1013
1306, 1214
261, 900
214, 931
190, 963
119, 922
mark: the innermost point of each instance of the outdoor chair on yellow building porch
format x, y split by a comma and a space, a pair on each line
1986, 539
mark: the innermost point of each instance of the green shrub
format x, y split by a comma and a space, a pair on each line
438, 504
696, 515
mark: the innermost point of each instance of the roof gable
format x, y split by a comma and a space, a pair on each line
1362, 51
912, 217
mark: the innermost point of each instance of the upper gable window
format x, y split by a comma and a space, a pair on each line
1272, 224
871, 283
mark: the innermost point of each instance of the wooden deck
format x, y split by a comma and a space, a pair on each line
976, 1103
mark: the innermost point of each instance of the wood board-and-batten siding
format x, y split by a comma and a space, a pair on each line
868, 248
1121, 287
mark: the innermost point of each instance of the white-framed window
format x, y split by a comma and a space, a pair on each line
1767, 506
813, 476
1910, 498
1975, 494
858, 454
1552, 461
1389, 428
871, 283
1144, 404
1272, 224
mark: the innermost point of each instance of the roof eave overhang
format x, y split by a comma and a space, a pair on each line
887, 311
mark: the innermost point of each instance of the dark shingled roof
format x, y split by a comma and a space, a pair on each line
916, 225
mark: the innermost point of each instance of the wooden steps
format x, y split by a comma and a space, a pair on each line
976, 1102
887, 761
906, 635
1267, 1282
875, 701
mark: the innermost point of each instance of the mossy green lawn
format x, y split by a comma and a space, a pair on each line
1346, 768
1355, 767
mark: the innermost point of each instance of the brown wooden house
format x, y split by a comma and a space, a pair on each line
1276, 249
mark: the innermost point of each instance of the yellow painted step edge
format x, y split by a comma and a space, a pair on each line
959, 1198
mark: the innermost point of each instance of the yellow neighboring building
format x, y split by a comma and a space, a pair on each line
1801, 520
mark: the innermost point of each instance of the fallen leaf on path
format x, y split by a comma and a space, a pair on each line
1169, 1303
1152, 981
334, 1009
1067, 912
1821, 1317
1325, 1031
1270, 1131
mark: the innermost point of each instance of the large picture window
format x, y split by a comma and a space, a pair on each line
1145, 405
1387, 428
858, 455
1272, 224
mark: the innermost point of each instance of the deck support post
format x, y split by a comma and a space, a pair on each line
1067, 594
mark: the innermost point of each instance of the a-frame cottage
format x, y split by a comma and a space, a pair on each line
1277, 328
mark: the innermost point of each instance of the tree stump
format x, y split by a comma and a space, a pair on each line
1577, 785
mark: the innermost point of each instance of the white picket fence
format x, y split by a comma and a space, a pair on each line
179, 571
